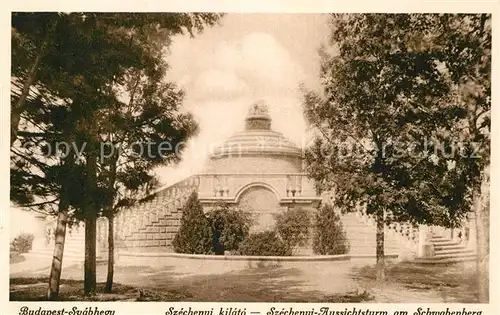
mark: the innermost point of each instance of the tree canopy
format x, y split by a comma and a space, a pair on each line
70, 76
393, 97
72, 69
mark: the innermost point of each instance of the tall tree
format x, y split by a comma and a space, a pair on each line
472, 68
195, 233
150, 122
67, 82
384, 118
159, 29
47, 48
32, 37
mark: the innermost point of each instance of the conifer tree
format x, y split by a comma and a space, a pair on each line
66, 68
329, 235
195, 233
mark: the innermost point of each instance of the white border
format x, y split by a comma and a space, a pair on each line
264, 6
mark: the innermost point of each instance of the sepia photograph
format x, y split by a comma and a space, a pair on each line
249, 157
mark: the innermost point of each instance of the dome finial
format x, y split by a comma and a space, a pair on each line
258, 108
258, 116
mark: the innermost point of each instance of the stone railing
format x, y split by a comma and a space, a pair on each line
227, 185
164, 201
465, 234
405, 233
416, 236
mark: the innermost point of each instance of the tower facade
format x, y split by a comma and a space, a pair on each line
257, 170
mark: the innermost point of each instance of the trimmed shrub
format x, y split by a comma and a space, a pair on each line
293, 227
229, 228
264, 244
195, 234
329, 235
22, 243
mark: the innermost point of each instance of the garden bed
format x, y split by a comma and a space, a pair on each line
236, 257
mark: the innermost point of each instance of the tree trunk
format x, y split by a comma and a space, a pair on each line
380, 246
482, 239
111, 219
60, 233
60, 236
90, 254
111, 254
18, 108
90, 212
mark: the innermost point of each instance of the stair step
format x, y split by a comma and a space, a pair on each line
441, 238
443, 241
432, 261
453, 251
443, 247
447, 255
461, 255
446, 245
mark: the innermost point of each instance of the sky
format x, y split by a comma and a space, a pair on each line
248, 57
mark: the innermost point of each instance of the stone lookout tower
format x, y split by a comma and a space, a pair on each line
259, 170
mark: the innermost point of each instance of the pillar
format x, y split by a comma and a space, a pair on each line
425, 247
472, 240
463, 232
102, 239
407, 245
40, 234
50, 230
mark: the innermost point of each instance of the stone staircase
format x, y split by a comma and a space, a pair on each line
152, 225
74, 247
401, 240
448, 251
157, 234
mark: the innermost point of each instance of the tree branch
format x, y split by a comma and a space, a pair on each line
40, 203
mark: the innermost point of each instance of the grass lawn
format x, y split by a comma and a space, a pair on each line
312, 282
452, 283
34, 289
266, 284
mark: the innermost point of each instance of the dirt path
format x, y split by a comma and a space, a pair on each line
209, 280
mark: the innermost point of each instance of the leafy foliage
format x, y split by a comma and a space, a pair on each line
266, 243
61, 93
392, 107
72, 75
195, 234
329, 235
293, 227
22, 243
229, 228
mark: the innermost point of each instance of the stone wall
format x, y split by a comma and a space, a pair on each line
152, 225
257, 164
230, 187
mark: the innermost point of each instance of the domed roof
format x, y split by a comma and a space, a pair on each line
257, 138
